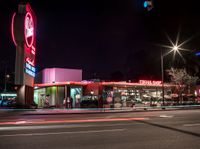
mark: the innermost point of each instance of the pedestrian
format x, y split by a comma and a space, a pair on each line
68, 102
71, 102
65, 103
46, 102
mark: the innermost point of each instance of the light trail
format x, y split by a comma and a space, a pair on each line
73, 121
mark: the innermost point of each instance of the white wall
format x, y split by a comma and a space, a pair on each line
50, 75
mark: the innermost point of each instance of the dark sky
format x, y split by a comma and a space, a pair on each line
103, 36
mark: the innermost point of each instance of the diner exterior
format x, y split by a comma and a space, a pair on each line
87, 94
64, 88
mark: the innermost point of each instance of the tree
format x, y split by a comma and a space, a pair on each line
182, 79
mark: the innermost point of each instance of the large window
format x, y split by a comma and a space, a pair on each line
76, 94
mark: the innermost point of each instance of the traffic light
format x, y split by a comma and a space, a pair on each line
148, 4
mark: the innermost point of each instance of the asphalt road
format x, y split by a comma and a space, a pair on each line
146, 130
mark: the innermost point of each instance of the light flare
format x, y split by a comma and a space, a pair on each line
176, 48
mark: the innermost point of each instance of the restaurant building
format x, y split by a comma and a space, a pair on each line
57, 84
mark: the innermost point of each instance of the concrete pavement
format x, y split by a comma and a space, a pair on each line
92, 110
177, 130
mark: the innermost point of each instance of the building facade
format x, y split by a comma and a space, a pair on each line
64, 88
101, 94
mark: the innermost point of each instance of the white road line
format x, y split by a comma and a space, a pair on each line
20, 122
191, 125
60, 133
62, 126
166, 116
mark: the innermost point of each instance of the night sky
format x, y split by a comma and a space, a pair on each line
107, 39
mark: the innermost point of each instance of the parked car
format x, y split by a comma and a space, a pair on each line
9, 102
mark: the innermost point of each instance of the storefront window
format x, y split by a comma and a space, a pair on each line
76, 95
39, 97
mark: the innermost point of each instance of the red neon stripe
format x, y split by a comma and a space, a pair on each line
12, 29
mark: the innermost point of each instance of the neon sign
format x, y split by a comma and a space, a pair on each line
30, 70
12, 29
29, 38
23, 31
150, 82
29, 29
30, 61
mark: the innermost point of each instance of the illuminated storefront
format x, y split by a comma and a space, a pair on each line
102, 94
55, 93
123, 94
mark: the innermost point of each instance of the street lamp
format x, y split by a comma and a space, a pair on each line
162, 71
7, 76
174, 49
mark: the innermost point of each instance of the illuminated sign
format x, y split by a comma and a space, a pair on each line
23, 30
29, 29
29, 41
197, 54
29, 38
30, 70
8, 95
150, 82
30, 61
12, 29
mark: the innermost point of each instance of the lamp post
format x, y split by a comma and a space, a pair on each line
162, 73
6, 77
174, 49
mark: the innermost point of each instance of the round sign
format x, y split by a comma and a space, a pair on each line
109, 99
29, 29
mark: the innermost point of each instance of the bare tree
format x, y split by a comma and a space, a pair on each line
182, 79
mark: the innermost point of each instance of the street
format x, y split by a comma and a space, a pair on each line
178, 129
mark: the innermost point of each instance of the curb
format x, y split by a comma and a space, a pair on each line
93, 111
105, 112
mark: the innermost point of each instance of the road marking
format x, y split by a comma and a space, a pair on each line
166, 116
20, 122
60, 133
191, 125
62, 126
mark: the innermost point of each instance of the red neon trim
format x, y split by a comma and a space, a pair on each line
123, 84
12, 29
60, 84
32, 39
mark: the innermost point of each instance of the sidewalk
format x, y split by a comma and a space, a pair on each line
106, 110
95, 110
